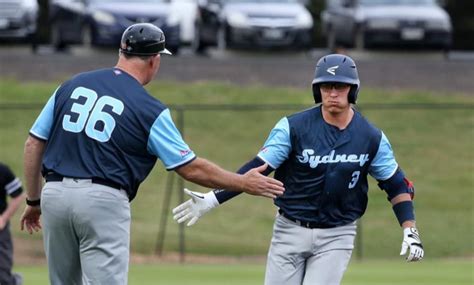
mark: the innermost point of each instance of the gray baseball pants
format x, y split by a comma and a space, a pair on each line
86, 232
302, 256
6, 256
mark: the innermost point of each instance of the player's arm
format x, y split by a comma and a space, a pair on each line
275, 151
201, 203
15, 191
400, 193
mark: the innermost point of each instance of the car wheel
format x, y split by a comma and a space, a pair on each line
359, 39
56, 39
222, 38
197, 45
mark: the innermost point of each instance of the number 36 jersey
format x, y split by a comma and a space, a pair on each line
104, 124
324, 169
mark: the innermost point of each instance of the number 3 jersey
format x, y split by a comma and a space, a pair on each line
104, 124
324, 169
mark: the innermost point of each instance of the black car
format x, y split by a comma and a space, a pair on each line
102, 22
252, 23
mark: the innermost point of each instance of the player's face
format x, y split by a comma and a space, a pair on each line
335, 96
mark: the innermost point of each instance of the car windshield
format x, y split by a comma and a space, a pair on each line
396, 2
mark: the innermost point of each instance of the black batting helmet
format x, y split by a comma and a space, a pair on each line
143, 39
336, 68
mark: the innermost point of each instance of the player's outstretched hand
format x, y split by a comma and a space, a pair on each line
261, 185
412, 241
194, 208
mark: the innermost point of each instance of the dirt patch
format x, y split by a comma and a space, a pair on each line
30, 252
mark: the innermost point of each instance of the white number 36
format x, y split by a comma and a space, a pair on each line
88, 119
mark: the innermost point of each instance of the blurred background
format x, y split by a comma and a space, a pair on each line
238, 67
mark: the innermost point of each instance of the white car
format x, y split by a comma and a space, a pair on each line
18, 18
186, 11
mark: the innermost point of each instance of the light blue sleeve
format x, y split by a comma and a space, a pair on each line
43, 124
166, 142
384, 164
278, 145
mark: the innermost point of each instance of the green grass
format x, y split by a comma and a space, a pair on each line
434, 147
377, 272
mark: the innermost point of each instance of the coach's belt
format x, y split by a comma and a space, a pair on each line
55, 177
309, 225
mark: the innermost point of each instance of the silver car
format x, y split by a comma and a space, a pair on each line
18, 18
368, 23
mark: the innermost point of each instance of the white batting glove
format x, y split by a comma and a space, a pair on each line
411, 240
194, 208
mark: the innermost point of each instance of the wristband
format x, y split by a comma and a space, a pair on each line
33, 203
404, 211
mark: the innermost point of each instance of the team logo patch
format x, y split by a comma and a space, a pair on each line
184, 152
332, 69
263, 149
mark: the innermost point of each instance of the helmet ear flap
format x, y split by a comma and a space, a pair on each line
353, 94
317, 94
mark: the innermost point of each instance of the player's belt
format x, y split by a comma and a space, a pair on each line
309, 225
55, 177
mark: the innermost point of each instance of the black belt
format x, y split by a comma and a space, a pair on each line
309, 225
55, 177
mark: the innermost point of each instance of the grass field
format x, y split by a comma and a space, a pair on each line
376, 272
434, 145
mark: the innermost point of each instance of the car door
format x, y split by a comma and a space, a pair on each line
344, 20
67, 18
209, 25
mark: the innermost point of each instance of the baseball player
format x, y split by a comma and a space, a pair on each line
95, 141
10, 186
323, 156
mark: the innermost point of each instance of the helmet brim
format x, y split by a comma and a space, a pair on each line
341, 79
165, 51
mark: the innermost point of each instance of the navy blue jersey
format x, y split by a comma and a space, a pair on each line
10, 185
324, 169
104, 124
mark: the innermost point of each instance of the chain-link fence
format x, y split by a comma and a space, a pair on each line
432, 143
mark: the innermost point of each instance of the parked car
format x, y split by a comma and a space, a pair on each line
18, 19
186, 11
367, 23
252, 23
102, 22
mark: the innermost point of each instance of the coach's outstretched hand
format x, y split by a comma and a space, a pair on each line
260, 185
412, 241
194, 208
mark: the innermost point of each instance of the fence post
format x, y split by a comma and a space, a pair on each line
182, 244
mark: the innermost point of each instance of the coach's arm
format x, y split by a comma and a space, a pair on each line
208, 174
33, 155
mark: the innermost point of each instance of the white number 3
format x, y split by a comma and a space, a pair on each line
355, 178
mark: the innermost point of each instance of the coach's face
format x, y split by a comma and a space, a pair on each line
335, 96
